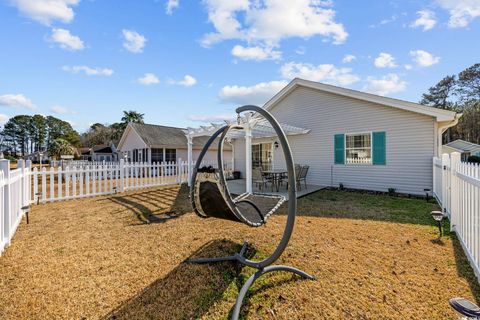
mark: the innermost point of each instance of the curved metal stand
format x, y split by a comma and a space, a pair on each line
264, 266
240, 257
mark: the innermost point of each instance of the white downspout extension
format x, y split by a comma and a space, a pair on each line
190, 159
248, 155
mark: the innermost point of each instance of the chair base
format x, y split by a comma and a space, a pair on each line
261, 271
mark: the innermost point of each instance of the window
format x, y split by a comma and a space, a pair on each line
358, 148
157, 155
170, 155
135, 155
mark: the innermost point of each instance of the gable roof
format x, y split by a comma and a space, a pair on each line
439, 114
157, 136
464, 146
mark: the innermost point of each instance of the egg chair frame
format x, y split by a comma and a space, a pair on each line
210, 198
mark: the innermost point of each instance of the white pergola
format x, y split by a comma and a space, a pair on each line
254, 126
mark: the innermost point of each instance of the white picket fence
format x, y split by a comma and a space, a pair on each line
456, 185
93, 179
14, 196
64, 163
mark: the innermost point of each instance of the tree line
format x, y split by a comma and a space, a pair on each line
460, 93
26, 134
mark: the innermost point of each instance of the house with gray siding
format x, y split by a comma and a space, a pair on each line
353, 138
465, 148
141, 142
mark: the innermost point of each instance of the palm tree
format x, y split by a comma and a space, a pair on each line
132, 116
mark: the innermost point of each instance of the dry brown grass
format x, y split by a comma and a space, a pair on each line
120, 257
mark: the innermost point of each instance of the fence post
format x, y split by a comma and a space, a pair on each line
28, 165
5, 167
455, 159
21, 166
445, 163
122, 175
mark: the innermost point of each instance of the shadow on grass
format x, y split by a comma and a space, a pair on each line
464, 270
155, 205
188, 291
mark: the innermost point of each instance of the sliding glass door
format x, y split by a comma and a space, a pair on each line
262, 156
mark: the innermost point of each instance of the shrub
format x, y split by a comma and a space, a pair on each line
473, 159
392, 191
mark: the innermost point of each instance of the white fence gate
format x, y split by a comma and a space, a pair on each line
14, 196
457, 189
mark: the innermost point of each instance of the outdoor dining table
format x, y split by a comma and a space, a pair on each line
276, 176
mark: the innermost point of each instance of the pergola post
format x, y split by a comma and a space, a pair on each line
248, 154
190, 158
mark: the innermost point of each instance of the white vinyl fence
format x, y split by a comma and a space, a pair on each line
457, 189
93, 179
14, 196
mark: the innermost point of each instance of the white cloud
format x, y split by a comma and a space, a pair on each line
88, 70
256, 53
408, 67
426, 20
385, 85
171, 5
424, 58
188, 81
270, 21
211, 118
348, 58
3, 119
16, 100
257, 94
385, 60
47, 11
462, 12
133, 41
59, 110
148, 79
66, 40
327, 73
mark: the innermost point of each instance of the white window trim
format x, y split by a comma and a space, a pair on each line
345, 148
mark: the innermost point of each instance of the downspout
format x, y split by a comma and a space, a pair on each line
441, 130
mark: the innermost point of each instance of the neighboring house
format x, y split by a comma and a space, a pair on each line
465, 148
36, 156
357, 139
103, 152
154, 143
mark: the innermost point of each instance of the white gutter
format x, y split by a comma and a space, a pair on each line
441, 130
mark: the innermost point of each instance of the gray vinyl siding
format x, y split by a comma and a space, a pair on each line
410, 141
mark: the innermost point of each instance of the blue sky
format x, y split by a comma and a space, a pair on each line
187, 62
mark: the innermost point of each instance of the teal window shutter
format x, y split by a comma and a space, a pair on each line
379, 148
339, 146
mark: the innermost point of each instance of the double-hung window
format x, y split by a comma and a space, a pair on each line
358, 148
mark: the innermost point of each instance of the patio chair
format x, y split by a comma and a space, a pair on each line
210, 198
302, 176
259, 178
